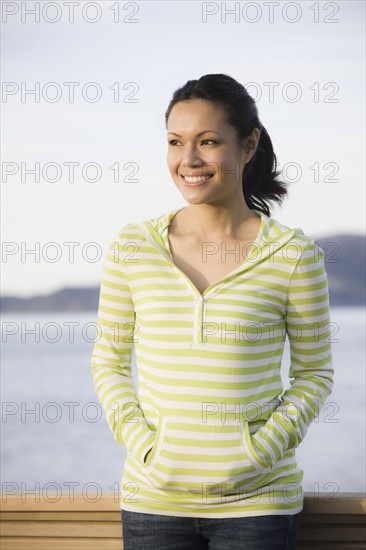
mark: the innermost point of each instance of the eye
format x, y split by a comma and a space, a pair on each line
173, 141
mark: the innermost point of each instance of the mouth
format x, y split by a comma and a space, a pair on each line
197, 180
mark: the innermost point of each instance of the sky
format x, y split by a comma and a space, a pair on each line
85, 152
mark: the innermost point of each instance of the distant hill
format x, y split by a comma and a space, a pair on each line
344, 263
345, 266
67, 299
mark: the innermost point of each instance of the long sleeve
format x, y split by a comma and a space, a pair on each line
111, 357
311, 372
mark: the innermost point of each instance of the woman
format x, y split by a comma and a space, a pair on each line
206, 294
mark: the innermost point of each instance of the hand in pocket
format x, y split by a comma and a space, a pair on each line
147, 454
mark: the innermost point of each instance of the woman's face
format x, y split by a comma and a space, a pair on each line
202, 144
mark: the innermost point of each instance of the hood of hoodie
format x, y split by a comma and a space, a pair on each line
272, 236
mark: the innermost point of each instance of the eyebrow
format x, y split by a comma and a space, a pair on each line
200, 134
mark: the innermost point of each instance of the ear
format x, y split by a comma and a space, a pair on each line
251, 144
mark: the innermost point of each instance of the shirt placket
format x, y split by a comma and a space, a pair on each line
198, 299
198, 320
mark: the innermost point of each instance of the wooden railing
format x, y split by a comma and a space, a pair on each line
326, 523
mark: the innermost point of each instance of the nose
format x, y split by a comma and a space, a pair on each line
191, 157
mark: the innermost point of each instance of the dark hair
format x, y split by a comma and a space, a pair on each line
259, 177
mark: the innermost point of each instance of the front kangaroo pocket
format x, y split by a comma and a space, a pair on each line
193, 456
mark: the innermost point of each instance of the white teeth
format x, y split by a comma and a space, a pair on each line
196, 179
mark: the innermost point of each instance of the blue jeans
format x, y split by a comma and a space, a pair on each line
142, 531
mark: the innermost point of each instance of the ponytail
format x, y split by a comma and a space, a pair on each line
259, 176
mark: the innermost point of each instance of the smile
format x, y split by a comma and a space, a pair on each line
198, 180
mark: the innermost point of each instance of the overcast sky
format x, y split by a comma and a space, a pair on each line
103, 78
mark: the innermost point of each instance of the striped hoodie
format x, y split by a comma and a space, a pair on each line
209, 400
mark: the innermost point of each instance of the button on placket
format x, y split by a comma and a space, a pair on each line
198, 321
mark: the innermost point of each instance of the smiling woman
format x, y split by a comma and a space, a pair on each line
207, 297
220, 134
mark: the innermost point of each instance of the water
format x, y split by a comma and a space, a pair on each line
55, 438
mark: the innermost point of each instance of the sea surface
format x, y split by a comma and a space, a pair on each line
55, 439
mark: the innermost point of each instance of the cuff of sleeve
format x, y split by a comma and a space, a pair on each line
272, 440
288, 426
256, 457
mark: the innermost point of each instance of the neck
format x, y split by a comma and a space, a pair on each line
210, 221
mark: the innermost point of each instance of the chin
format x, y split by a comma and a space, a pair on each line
197, 200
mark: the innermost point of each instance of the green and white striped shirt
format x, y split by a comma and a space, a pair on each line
210, 401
